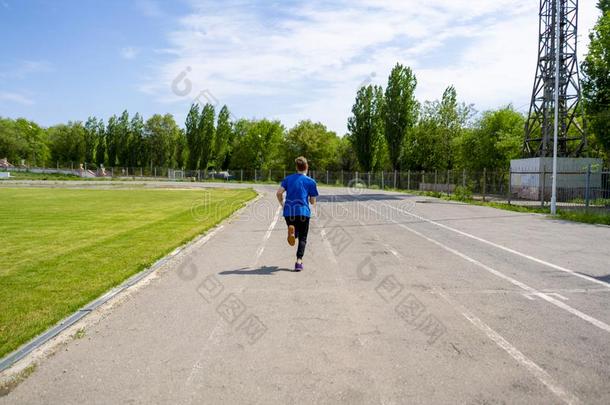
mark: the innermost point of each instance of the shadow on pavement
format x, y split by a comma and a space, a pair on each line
264, 271
605, 279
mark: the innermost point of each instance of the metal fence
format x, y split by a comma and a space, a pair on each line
582, 189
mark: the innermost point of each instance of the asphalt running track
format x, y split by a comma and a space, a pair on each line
404, 299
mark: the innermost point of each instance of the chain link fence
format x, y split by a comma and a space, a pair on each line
588, 188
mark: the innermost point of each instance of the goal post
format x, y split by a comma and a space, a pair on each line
175, 174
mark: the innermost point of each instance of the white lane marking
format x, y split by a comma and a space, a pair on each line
501, 275
538, 372
542, 376
328, 247
220, 324
261, 249
507, 249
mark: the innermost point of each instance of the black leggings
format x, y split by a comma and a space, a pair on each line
301, 226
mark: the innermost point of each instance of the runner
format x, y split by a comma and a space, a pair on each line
301, 190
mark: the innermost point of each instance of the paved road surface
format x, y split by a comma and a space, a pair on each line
403, 300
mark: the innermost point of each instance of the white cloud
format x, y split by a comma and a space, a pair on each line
307, 60
15, 98
129, 52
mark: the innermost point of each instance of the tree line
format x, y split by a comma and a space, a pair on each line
440, 135
389, 129
122, 140
207, 141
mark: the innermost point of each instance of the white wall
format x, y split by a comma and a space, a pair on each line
527, 175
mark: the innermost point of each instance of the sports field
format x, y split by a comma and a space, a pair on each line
61, 248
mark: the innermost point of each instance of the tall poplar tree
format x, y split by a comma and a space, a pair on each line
223, 135
400, 110
192, 137
366, 126
207, 134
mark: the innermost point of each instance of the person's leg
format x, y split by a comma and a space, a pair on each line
302, 224
291, 223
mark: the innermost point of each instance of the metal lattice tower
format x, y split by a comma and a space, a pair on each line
539, 124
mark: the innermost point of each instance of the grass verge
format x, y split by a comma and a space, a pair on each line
576, 215
588, 217
62, 248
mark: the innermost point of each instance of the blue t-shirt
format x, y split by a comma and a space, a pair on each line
299, 188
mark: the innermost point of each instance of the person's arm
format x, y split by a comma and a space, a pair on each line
313, 193
280, 195
314, 211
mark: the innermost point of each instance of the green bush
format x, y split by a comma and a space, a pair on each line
435, 194
462, 193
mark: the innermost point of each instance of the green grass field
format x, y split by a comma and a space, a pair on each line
62, 248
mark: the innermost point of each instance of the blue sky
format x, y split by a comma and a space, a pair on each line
290, 60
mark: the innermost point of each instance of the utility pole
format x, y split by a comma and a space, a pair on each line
556, 123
